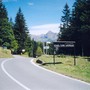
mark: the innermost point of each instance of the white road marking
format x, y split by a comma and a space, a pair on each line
58, 73
11, 77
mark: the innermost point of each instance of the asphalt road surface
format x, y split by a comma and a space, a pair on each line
20, 73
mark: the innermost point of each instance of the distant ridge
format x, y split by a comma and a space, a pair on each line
48, 37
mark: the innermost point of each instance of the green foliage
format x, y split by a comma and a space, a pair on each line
40, 44
6, 32
39, 51
66, 23
6, 44
13, 36
34, 47
21, 32
28, 44
14, 45
3, 11
66, 18
79, 28
50, 50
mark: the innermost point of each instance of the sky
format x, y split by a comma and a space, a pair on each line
41, 15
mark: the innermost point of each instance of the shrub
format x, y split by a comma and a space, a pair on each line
39, 51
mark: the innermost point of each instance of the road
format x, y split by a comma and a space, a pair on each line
20, 73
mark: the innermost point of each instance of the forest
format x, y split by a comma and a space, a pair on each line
15, 35
76, 26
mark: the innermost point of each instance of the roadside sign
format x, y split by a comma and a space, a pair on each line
46, 47
64, 44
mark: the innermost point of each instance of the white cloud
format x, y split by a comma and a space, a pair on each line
31, 3
43, 29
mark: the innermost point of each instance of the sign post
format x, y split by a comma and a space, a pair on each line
64, 44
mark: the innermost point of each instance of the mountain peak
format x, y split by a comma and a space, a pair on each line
49, 36
49, 32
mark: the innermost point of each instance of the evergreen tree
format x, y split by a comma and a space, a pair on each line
11, 23
28, 45
66, 18
20, 30
40, 44
63, 34
76, 23
79, 28
85, 27
6, 32
3, 11
39, 51
34, 47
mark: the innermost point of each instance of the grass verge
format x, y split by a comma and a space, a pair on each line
5, 53
25, 54
64, 65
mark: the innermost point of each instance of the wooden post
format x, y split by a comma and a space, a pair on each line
74, 56
53, 55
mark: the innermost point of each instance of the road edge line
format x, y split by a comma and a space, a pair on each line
11, 77
32, 61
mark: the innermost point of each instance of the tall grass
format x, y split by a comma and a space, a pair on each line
65, 65
5, 53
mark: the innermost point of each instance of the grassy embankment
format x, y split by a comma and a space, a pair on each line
25, 54
65, 66
5, 53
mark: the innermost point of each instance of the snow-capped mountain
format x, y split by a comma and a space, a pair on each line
48, 37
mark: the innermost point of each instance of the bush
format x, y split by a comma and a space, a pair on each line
39, 51
62, 56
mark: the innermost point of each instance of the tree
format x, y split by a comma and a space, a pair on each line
79, 28
11, 23
39, 51
40, 44
66, 18
34, 47
66, 23
6, 32
77, 25
28, 45
85, 27
20, 30
3, 11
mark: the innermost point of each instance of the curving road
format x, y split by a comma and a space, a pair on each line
20, 73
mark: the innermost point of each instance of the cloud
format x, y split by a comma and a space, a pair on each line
31, 3
43, 29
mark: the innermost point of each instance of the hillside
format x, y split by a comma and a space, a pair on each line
48, 37
4, 53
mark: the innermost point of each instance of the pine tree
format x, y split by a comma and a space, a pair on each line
76, 24
11, 23
6, 32
20, 30
63, 34
34, 47
28, 45
3, 11
79, 28
66, 18
85, 27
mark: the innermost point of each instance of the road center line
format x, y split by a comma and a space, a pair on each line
11, 77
